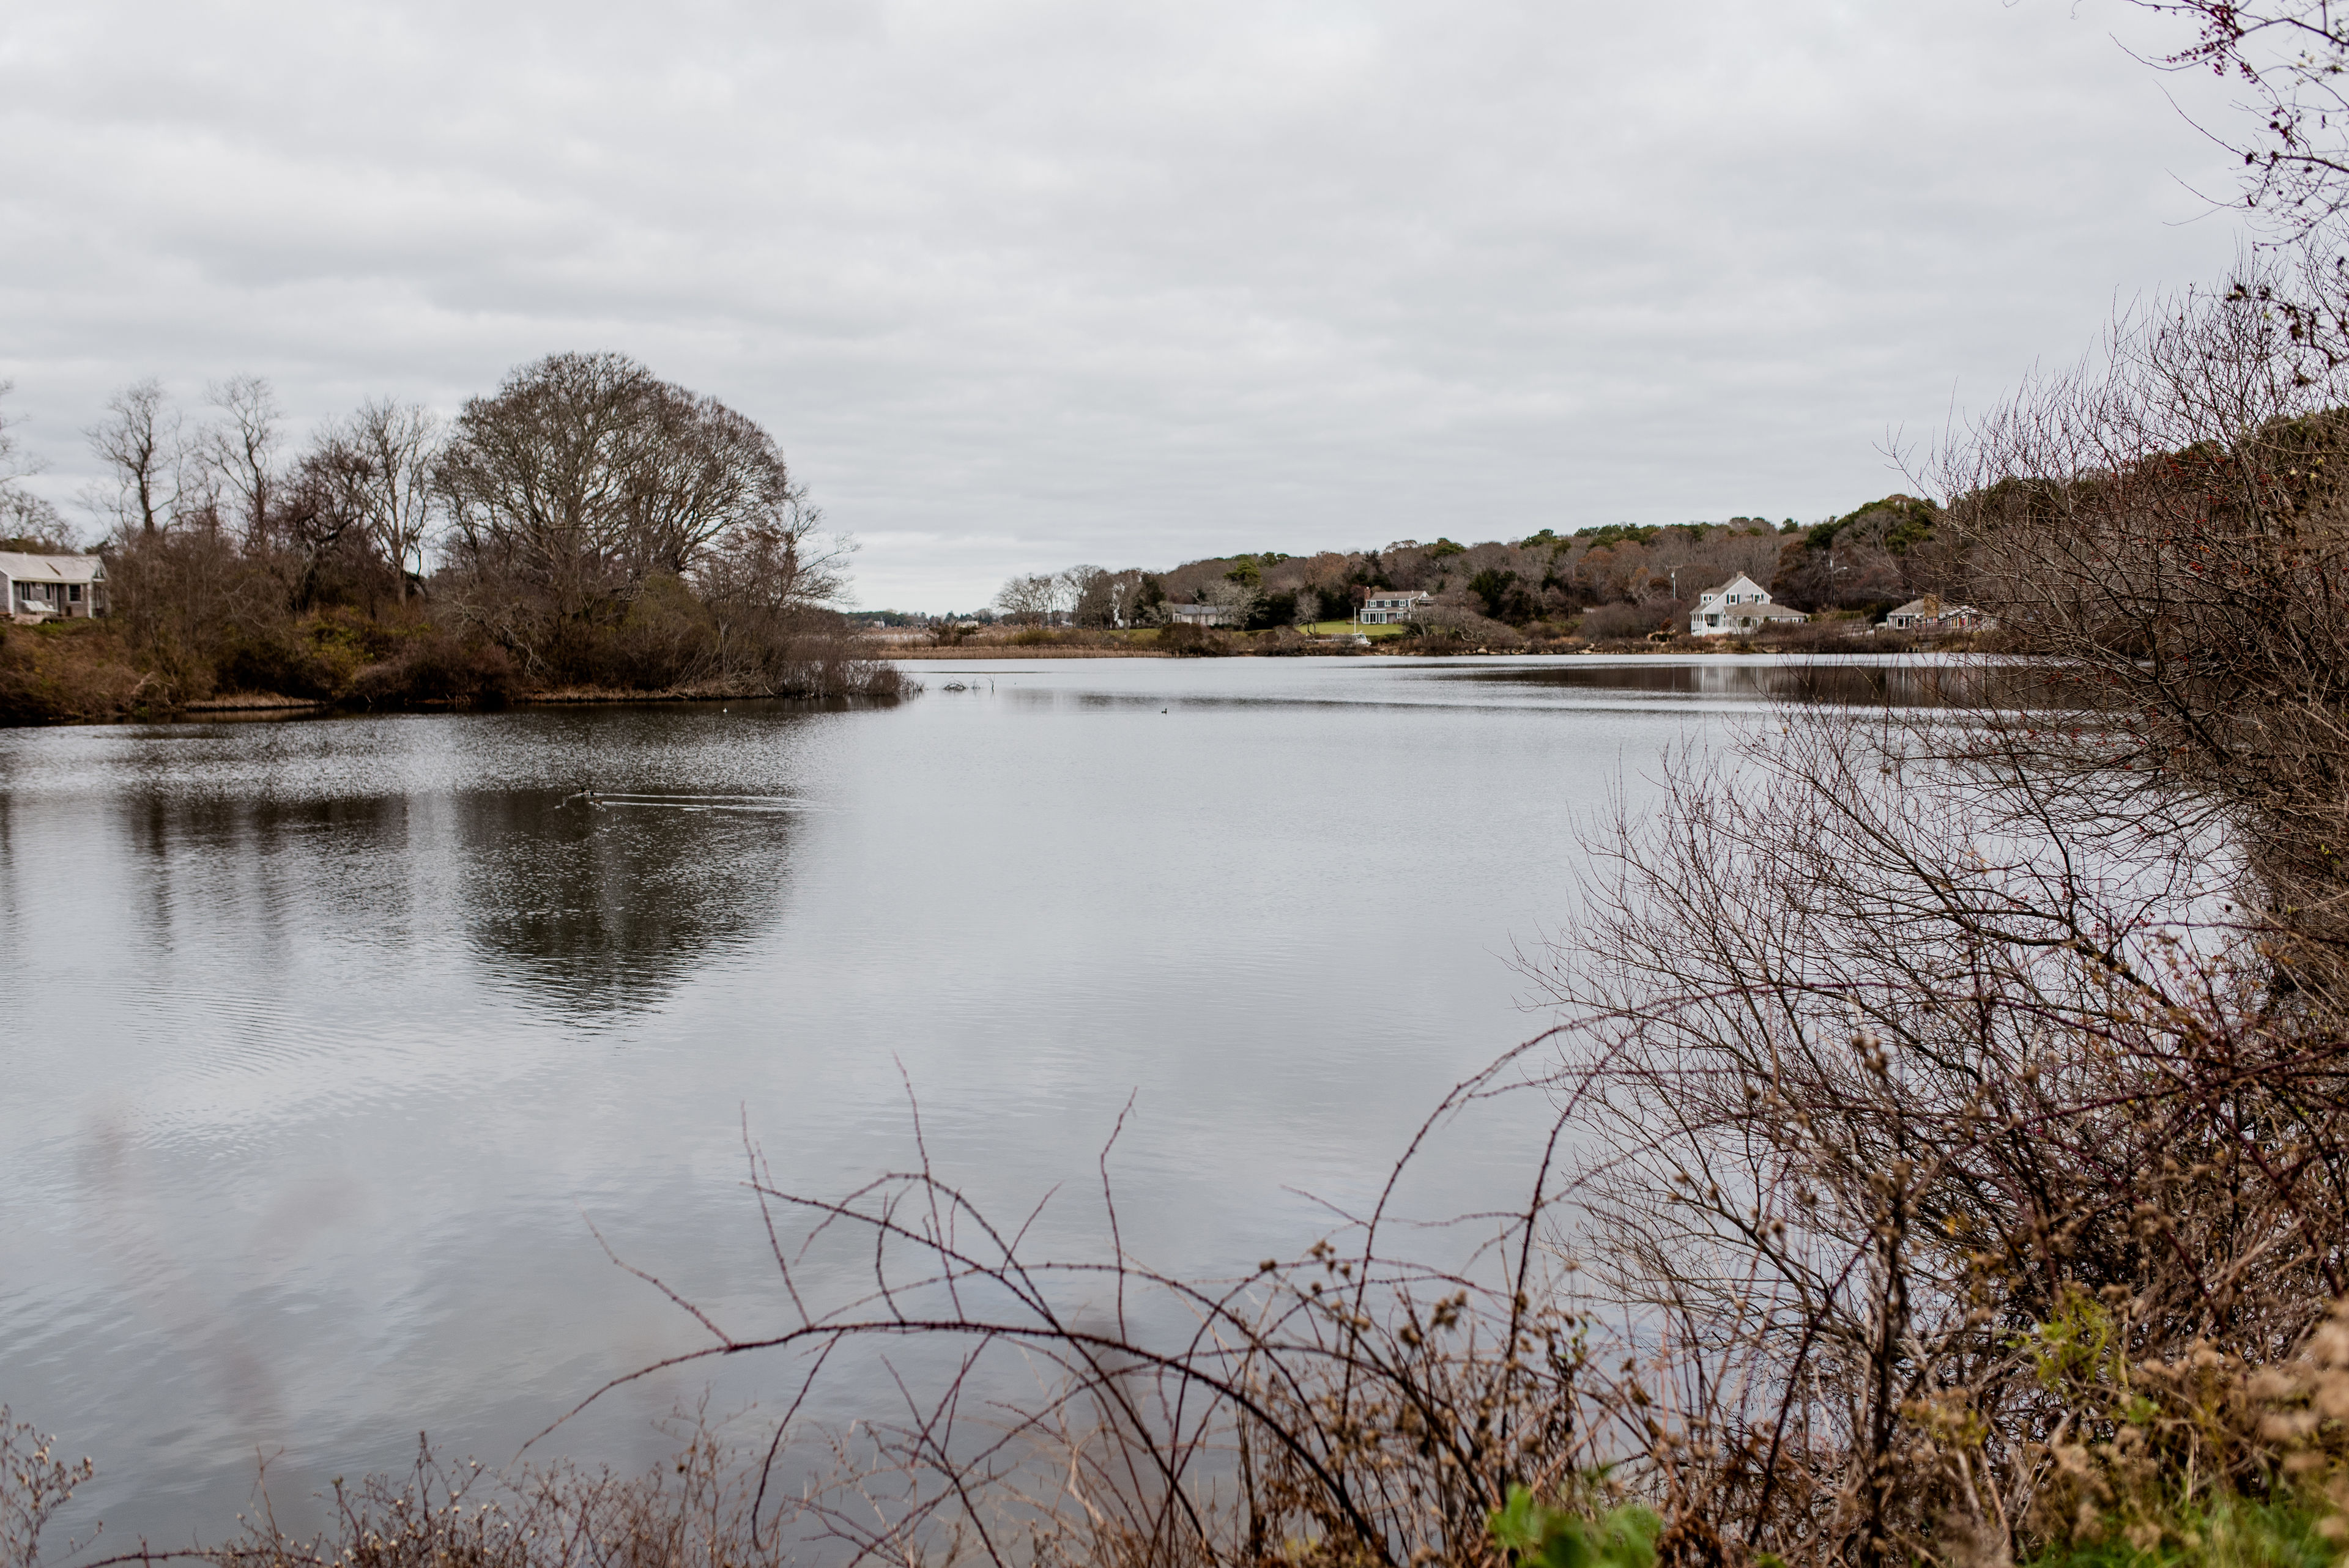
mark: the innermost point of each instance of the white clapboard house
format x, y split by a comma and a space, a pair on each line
1392, 606
1739, 605
42, 587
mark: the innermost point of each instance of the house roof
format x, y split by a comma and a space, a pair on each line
1932, 609
1740, 577
1751, 612
51, 568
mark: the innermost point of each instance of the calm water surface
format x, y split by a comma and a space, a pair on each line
327, 1042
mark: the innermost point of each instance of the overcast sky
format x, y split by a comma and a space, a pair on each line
1023, 283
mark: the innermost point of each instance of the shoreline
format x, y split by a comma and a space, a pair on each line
252, 702
1036, 651
261, 705
1711, 648
251, 705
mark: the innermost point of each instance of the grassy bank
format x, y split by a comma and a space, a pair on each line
1347, 628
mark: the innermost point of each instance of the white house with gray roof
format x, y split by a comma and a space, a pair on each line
1392, 606
1738, 605
45, 587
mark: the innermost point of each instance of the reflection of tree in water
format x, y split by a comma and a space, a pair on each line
609, 909
1919, 685
268, 869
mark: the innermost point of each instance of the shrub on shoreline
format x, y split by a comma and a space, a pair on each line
71, 672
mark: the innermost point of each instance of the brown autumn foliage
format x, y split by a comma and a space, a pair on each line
69, 670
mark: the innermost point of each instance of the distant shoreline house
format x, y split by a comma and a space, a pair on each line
1740, 604
44, 587
1929, 614
1391, 607
1200, 614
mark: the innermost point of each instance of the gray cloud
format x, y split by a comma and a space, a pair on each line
1024, 282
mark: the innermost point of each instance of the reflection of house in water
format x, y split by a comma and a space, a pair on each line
1740, 604
1899, 681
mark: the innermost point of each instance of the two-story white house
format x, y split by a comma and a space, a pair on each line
38, 587
1392, 606
1738, 605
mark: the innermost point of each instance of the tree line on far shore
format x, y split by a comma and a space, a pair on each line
1618, 580
588, 525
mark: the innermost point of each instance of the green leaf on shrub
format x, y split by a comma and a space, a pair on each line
1536, 1534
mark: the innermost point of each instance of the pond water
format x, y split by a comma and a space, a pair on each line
333, 1045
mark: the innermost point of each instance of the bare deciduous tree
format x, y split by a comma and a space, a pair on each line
1107, 598
1887, 1047
1083, 589
399, 445
1031, 599
139, 441
585, 478
321, 510
240, 451
586, 473
766, 584
2173, 526
2290, 55
23, 515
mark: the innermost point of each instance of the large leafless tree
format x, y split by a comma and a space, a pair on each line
585, 474
1031, 599
398, 447
139, 442
239, 451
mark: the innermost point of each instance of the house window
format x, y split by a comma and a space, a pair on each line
74, 593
